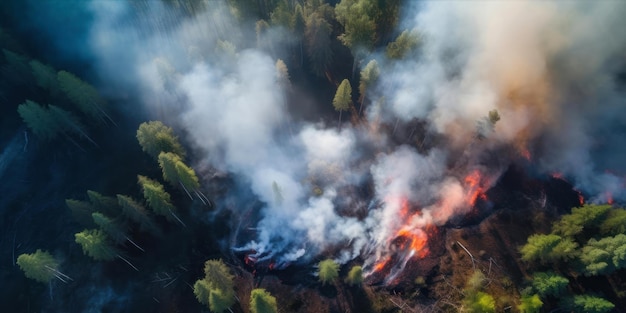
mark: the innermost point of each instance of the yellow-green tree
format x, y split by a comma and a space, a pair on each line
343, 97
154, 137
95, 244
262, 301
157, 198
40, 266
328, 271
405, 42
216, 289
355, 276
176, 172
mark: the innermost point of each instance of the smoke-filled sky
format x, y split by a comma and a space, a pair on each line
548, 68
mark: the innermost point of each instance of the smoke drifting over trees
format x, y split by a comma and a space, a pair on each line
431, 80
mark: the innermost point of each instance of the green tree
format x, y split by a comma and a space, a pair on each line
16, 69
615, 223
317, 42
217, 288
109, 227
343, 97
547, 248
355, 276
369, 75
83, 95
328, 271
588, 304
157, 198
530, 304
40, 266
358, 20
404, 44
573, 224
81, 211
480, 302
262, 301
45, 76
549, 284
154, 137
105, 204
176, 172
95, 244
604, 256
134, 211
39, 121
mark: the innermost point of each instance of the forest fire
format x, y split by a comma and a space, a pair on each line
475, 190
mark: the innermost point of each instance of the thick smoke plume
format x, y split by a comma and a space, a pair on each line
548, 68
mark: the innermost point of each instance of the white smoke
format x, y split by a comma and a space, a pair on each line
546, 67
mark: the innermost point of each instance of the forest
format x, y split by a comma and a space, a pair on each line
259, 156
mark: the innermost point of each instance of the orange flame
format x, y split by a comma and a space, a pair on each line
475, 189
526, 154
609, 197
381, 265
414, 239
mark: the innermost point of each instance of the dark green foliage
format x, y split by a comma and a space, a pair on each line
84, 96
217, 288
317, 43
358, 20
604, 256
282, 15
40, 266
17, 69
549, 284
530, 304
328, 271
355, 276
176, 172
81, 211
154, 138
105, 204
96, 244
580, 218
136, 213
615, 223
48, 123
45, 76
262, 301
588, 304
109, 227
403, 45
157, 198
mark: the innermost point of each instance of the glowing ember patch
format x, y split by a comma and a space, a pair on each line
581, 199
609, 197
557, 175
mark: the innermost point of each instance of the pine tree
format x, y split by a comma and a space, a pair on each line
136, 213
96, 245
328, 271
45, 76
109, 227
154, 138
38, 120
157, 198
178, 173
317, 43
587, 304
217, 288
40, 266
343, 97
369, 75
355, 276
530, 304
105, 204
549, 284
84, 96
81, 211
399, 48
262, 301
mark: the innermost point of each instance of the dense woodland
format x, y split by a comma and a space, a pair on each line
103, 210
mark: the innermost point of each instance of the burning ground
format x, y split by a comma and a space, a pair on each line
495, 105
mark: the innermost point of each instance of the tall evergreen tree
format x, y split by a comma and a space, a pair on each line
154, 138
83, 95
328, 271
95, 244
343, 97
134, 211
40, 266
262, 301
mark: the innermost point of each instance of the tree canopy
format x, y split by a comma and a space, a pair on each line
176, 172
328, 271
262, 301
405, 42
157, 198
216, 288
40, 266
343, 96
355, 276
96, 244
134, 211
83, 95
549, 283
154, 137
